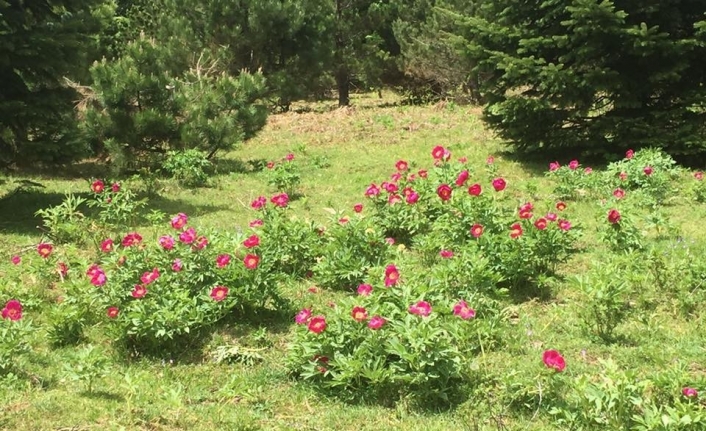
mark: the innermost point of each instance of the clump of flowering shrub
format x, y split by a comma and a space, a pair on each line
649, 171
151, 292
284, 175
393, 340
14, 334
573, 181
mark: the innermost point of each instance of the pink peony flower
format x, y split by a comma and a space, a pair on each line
392, 275
446, 254
553, 359
115, 187
251, 261
462, 178
281, 200
614, 216
317, 324
365, 289
573, 165
358, 208
167, 242
219, 293
112, 312
107, 245
499, 184
490, 160
12, 310
44, 249
201, 242
476, 230
540, 223
619, 193
359, 314
303, 316
372, 190
393, 199
258, 203
444, 192
475, 190
289, 157
462, 310
553, 166
439, 153
256, 223
222, 260
179, 221
421, 308
177, 265
690, 392
16, 260
588, 170
252, 241
648, 170
376, 322
699, 175
564, 225
188, 236
515, 231
412, 198
401, 165
98, 186
422, 173
551, 216
396, 177
132, 238
629, 154
139, 291
150, 276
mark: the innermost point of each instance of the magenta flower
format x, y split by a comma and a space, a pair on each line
412, 198
252, 241
150, 276
281, 200
376, 322
256, 223
179, 221
421, 308
133, 238
167, 242
462, 178
365, 289
358, 208
392, 275
222, 260
219, 293
446, 254
553, 166
303, 316
107, 245
553, 359
177, 265
462, 310
188, 236
12, 310
564, 225
690, 392
259, 203
139, 291
499, 184
372, 190
16, 260
573, 165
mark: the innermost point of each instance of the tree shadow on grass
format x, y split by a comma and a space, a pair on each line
84, 169
102, 395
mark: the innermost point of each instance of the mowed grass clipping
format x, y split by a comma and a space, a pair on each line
340, 151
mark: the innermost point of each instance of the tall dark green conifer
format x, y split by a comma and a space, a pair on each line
593, 76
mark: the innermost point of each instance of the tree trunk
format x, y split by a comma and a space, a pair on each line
343, 84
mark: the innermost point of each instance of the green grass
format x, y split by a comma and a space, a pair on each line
361, 145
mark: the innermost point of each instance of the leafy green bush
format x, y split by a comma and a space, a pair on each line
189, 167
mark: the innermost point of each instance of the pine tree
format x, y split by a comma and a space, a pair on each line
41, 43
593, 76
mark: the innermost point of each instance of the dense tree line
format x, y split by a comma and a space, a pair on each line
135, 78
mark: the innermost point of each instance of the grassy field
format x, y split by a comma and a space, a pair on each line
341, 151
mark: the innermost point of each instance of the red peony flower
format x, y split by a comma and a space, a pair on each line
475, 190
303, 316
139, 291
270, 165
358, 208
515, 231
541, 223
98, 186
179, 221
16, 260
317, 324
222, 260
551, 216
560, 206
44, 249
359, 314
564, 225
256, 223
63, 269
376, 322
289, 157
476, 230
444, 192
421, 308
365, 289
619, 193
115, 187
573, 165
252, 241
613, 216
699, 175
462, 178
401, 165
281, 200
462, 310
12, 310
390, 187
167, 242
219, 293
392, 275
112, 312
412, 198
553, 166
499, 184
251, 261
422, 173
107, 245
629, 154
553, 359
648, 170
396, 177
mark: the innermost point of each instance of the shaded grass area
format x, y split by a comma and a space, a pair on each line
188, 390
